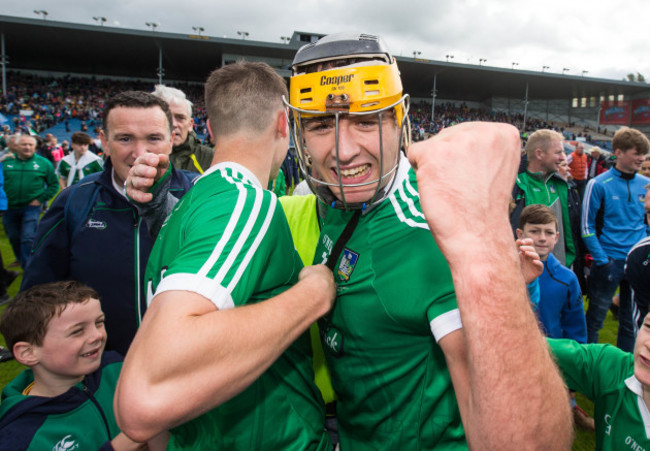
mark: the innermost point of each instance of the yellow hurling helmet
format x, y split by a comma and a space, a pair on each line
345, 74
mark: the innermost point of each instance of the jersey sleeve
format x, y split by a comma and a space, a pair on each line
590, 369
593, 198
63, 169
225, 245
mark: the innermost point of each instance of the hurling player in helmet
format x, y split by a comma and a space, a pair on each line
394, 341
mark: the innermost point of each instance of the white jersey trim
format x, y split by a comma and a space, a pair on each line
248, 175
402, 179
635, 387
195, 283
445, 324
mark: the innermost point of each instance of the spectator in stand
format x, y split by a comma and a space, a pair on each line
596, 163
80, 162
577, 162
619, 194
30, 181
188, 153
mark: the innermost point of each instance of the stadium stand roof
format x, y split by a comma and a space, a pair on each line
35, 44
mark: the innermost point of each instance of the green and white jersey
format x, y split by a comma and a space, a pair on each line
395, 294
605, 374
228, 240
74, 170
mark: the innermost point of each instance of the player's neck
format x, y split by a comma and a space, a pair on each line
255, 154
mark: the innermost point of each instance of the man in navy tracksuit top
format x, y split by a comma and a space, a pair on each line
617, 196
110, 248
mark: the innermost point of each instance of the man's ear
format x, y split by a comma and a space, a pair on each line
104, 139
282, 124
520, 234
25, 353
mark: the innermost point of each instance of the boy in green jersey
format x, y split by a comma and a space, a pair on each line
229, 298
65, 399
405, 368
617, 382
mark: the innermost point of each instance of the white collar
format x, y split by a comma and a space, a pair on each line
248, 174
635, 387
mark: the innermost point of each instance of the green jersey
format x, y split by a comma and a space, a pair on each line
395, 294
228, 240
605, 375
73, 170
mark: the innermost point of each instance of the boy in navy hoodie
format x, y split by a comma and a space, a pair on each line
65, 399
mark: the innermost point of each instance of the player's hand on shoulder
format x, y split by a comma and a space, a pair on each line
321, 282
147, 169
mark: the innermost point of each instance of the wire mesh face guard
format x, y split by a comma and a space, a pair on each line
322, 188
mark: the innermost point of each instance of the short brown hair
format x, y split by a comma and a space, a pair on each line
541, 139
81, 138
537, 214
627, 138
27, 316
243, 96
135, 99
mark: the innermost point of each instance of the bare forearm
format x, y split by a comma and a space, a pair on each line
510, 369
182, 366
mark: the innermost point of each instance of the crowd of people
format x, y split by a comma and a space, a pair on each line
395, 306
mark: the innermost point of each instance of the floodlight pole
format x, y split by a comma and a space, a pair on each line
3, 61
523, 125
433, 96
161, 70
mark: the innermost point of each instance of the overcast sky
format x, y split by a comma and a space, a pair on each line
607, 39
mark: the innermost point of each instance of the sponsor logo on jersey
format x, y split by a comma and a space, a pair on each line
615, 197
633, 444
334, 341
93, 224
339, 79
608, 429
66, 444
347, 264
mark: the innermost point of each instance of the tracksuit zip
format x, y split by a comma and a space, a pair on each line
99, 408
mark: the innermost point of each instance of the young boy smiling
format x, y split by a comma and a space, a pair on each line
65, 399
561, 309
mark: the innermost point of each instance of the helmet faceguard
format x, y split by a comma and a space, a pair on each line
341, 76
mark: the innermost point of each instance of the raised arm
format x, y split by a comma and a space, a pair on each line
188, 357
500, 352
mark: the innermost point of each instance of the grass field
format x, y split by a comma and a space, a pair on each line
583, 441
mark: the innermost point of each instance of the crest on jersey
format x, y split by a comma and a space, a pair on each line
346, 264
551, 189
